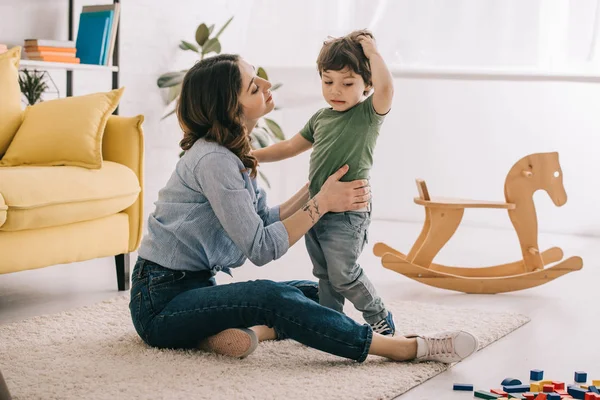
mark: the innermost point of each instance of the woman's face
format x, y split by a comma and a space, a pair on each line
255, 96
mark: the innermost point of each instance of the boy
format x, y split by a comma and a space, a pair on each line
346, 133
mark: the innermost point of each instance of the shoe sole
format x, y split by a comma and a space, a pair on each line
234, 342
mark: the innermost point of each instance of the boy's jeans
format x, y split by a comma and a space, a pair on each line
178, 309
334, 245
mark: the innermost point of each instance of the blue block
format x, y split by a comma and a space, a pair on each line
553, 396
576, 392
536, 375
593, 389
580, 376
463, 386
516, 388
510, 382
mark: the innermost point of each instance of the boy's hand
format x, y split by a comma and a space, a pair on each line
368, 45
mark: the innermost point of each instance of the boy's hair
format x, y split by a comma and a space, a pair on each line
345, 52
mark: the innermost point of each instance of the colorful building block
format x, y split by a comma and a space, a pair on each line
558, 385
516, 396
596, 382
589, 396
500, 392
535, 387
529, 395
541, 396
548, 388
463, 386
536, 375
594, 389
482, 394
576, 392
510, 382
553, 396
580, 376
516, 388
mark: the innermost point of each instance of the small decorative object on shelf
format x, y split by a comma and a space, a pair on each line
34, 84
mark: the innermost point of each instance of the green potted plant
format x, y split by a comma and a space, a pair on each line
206, 43
33, 85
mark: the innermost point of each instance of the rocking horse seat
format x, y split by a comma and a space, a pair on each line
446, 202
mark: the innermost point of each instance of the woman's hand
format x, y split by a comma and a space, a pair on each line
336, 196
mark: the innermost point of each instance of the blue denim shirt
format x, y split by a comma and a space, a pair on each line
211, 216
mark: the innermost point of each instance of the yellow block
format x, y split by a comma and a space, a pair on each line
596, 382
535, 387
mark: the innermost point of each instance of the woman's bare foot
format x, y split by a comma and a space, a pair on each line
263, 333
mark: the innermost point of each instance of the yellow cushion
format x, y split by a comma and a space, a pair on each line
39, 197
10, 97
63, 132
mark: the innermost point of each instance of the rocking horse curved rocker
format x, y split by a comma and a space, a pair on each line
534, 172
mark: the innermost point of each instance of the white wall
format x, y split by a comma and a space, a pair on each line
462, 136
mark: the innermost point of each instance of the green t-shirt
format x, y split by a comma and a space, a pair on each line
342, 137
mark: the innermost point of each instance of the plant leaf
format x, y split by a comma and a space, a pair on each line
262, 73
202, 33
188, 46
174, 92
264, 178
210, 29
223, 28
212, 45
170, 79
276, 86
275, 129
168, 114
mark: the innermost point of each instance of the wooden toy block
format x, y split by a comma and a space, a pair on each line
584, 386
541, 396
558, 385
561, 392
596, 382
482, 394
535, 387
589, 396
516, 396
553, 396
463, 386
510, 382
443, 216
529, 395
594, 389
580, 376
516, 388
536, 375
545, 382
576, 392
548, 388
500, 392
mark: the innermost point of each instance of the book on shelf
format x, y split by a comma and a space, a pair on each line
97, 33
50, 43
51, 50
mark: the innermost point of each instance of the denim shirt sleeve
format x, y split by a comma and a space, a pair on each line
222, 184
268, 215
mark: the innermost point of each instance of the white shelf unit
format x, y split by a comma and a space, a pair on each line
65, 66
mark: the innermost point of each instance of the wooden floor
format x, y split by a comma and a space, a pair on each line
561, 338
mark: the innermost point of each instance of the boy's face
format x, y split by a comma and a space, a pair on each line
342, 89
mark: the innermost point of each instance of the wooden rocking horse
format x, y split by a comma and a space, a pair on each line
443, 215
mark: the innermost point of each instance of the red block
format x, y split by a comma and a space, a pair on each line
541, 396
561, 392
589, 396
500, 392
548, 388
529, 395
558, 385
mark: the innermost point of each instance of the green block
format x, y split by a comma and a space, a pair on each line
482, 394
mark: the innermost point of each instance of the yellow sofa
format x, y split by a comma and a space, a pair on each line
55, 214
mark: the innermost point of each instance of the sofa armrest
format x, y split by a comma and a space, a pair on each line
123, 142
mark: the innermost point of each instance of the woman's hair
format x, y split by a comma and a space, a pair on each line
209, 107
345, 52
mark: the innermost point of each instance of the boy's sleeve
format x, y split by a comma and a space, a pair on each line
370, 113
308, 131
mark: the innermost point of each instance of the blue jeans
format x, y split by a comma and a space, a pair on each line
178, 309
334, 244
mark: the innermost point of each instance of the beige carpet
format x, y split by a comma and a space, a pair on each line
94, 353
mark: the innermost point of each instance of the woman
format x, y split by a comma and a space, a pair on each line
211, 216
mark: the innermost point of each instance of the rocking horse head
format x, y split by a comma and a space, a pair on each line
540, 171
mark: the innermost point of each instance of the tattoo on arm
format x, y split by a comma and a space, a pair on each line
313, 210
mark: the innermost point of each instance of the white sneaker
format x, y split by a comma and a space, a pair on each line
445, 347
234, 342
